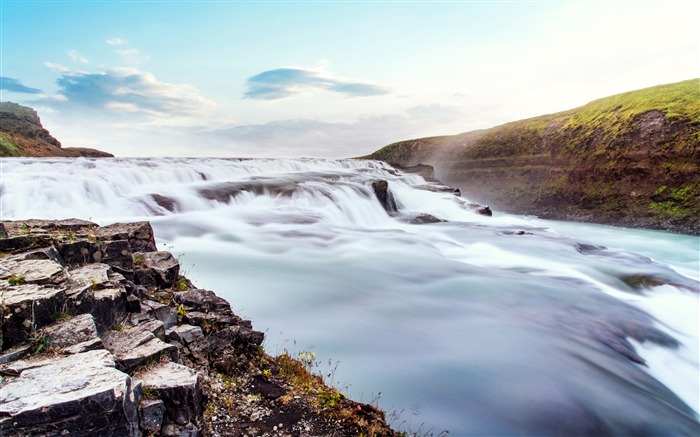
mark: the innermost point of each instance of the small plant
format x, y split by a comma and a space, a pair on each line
61, 316
138, 259
181, 310
93, 284
39, 343
180, 284
150, 393
266, 374
118, 328
24, 228
17, 280
330, 398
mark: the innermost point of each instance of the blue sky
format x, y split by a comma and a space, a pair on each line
326, 79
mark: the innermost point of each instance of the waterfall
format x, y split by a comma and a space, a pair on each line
483, 325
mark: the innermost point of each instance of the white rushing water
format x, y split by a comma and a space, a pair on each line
480, 325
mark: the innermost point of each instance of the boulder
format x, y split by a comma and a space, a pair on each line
162, 312
81, 394
222, 348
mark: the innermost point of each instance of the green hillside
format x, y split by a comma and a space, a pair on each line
630, 159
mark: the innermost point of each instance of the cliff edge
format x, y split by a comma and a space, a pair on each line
21, 134
631, 159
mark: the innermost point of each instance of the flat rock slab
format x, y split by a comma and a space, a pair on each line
178, 387
133, 348
33, 271
184, 334
96, 275
70, 332
81, 393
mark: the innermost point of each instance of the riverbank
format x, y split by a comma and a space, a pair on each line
102, 335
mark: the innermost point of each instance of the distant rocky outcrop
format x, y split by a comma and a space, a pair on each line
21, 134
102, 336
631, 160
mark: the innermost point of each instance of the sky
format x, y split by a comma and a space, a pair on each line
328, 79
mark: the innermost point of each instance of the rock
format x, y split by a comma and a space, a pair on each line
95, 275
178, 387
70, 332
151, 412
27, 308
422, 219
165, 265
133, 348
32, 271
155, 327
80, 394
221, 349
201, 305
109, 308
133, 304
184, 334
386, 199
162, 312
167, 203
139, 235
89, 345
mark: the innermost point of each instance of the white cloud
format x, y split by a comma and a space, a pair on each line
56, 68
127, 91
132, 56
77, 57
116, 41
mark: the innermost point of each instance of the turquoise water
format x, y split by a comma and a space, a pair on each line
501, 325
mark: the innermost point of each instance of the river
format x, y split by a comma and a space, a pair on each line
503, 325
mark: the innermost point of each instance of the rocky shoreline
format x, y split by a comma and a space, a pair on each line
102, 336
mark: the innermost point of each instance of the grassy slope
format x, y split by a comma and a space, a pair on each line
591, 158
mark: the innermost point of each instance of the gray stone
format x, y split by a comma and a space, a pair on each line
78, 394
165, 265
184, 334
89, 345
70, 332
27, 308
164, 313
95, 275
34, 271
133, 348
109, 308
155, 327
151, 412
138, 234
179, 388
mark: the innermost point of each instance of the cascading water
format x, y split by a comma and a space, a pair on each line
480, 325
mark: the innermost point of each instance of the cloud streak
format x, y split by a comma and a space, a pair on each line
14, 85
281, 83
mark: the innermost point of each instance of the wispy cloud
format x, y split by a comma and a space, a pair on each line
286, 82
131, 55
56, 68
116, 41
127, 90
77, 57
14, 85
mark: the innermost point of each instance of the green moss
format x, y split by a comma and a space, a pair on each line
8, 147
668, 209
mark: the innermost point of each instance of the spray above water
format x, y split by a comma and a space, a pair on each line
490, 325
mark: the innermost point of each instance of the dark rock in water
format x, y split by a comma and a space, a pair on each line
165, 202
485, 210
422, 219
386, 199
